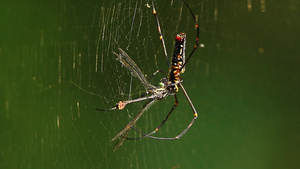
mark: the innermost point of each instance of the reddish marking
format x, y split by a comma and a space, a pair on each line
178, 37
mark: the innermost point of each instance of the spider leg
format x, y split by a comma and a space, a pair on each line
156, 72
158, 128
194, 111
124, 132
197, 32
185, 130
137, 138
160, 33
166, 118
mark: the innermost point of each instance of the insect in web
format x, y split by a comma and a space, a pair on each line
168, 86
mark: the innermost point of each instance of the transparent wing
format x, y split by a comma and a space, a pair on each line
124, 132
131, 65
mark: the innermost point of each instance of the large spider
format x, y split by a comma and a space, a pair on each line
168, 86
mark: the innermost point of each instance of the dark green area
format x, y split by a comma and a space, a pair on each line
56, 67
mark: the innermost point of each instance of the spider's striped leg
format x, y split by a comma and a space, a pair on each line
160, 33
197, 34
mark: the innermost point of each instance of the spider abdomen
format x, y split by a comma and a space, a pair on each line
178, 58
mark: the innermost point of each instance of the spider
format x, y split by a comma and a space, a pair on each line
168, 86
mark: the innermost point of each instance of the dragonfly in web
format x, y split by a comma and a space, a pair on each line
168, 86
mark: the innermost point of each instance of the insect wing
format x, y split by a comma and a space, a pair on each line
131, 66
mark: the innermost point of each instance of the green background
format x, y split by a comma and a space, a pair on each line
56, 66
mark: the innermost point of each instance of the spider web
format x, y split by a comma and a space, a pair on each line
131, 25
65, 69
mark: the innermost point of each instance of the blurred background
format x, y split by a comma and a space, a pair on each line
57, 66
